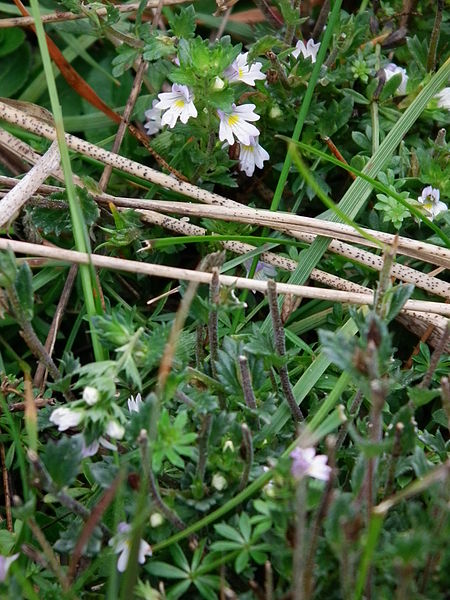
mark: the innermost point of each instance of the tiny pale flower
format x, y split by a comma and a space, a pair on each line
309, 51
153, 116
305, 462
91, 395
177, 104
392, 69
430, 200
228, 446
5, 563
236, 124
240, 70
115, 430
443, 98
65, 418
121, 544
219, 482
275, 112
156, 519
135, 403
252, 155
263, 270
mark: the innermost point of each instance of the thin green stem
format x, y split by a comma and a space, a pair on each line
78, 224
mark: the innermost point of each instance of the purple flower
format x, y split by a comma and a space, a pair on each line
5, 563
305, 462
392, 69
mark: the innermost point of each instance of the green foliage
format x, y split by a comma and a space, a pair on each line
173, 442
62, 460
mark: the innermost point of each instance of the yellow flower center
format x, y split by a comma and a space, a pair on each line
249, 148
232, 120
241, 72
179, 103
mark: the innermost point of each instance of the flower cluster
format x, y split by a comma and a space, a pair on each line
234, 126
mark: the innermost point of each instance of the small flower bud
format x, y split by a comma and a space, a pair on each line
91, 395
156, 519
275, 112
218, 84
228, 446
219, 482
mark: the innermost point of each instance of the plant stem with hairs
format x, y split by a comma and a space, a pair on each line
214, 320
248, 455
280, 345
203, 439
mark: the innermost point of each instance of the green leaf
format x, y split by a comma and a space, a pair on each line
124, 60
183, 24
158, 46
24, 289
7, 268
241, 561
62, 459
10, 40
14, 71
245, 526
420, 396
229, 532
162, 569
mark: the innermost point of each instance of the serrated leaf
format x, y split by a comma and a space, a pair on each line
62, 459
183, 24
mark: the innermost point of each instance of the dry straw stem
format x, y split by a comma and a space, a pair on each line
69, 16
401, 272
17, 197
420, 250
130, 266
292, 223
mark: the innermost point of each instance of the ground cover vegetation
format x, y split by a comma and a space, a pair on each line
224, 334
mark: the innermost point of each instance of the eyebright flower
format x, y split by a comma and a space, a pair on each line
263, 270
65, 418
392, 69
240, 70
235, 124
251, 156
306, 462
178, 104
115, 430
153, 116
429, 198
134, 404
156, 519
443, 98
121, 544
309, 51
5, 563
91, 395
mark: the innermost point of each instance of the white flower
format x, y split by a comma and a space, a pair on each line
153, 116
429, 198
135, 404
443, 98
309, 51
240, 70
392, 69
156, 519
306, 462
115, 430
179, 104
252, 155
90, 395
219, 482
91, 450
5, 563
235, 124
65, 418
121, 544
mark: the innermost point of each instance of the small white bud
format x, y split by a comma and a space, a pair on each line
275, 112
219, 482
156, 519
91, 395
115, 430
228, 446
218, 84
